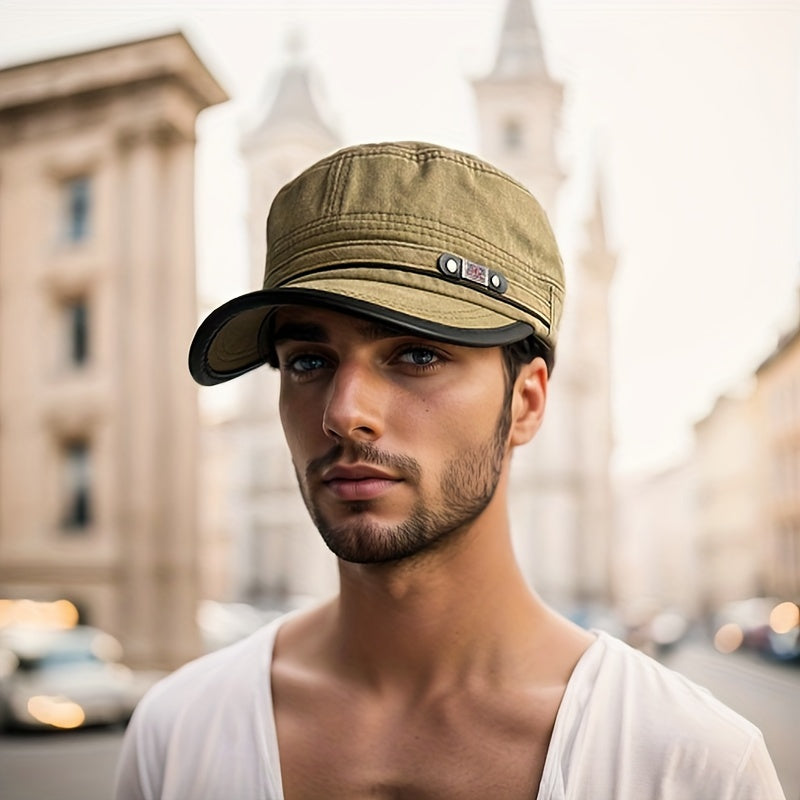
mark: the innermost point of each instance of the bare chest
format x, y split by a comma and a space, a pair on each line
457, 747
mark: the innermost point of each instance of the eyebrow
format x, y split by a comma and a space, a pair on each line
312, 332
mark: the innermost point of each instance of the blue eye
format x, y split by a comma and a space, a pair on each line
420, 357
305, 363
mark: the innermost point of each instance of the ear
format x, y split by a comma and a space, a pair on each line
528, 402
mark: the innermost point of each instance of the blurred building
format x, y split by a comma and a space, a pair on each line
777, 399
280, 559
656, 561
561, 501
730, 530
724, 526
561, 496
98, 430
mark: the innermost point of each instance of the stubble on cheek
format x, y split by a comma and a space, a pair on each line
465, 487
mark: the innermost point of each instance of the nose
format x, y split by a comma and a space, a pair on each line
354, 407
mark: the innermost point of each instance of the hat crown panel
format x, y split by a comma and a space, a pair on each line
415, 194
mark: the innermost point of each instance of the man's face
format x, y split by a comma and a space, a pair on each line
398, 442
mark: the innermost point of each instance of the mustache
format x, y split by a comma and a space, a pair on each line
365, 453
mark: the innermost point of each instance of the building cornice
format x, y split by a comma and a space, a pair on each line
115, 68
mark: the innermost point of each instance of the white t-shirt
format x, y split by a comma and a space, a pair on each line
627, 729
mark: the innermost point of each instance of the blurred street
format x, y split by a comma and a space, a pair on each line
75, 765
80, 765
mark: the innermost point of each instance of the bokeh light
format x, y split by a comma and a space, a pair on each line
59, 614
784, 617
728, 638
59, 712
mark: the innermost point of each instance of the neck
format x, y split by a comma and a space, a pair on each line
432, 618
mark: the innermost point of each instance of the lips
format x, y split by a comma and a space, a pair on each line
358, 481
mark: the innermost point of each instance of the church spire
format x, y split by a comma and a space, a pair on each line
294, 99
520, 53
519, 107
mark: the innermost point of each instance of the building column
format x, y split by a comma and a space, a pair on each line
158, 424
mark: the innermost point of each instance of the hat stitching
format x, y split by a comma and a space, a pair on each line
401, 222
332, 184
525, 295
434, 154
212, 337
542, 296
464, 315
342, 174
504, 299
240, 352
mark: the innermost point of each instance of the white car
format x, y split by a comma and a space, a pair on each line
65, 679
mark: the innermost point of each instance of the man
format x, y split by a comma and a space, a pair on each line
411, 303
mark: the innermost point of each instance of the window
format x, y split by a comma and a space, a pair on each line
77, 489
76, 330
77, 208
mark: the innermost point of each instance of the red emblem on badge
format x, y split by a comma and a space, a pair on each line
474, 272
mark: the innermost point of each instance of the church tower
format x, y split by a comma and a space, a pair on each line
590, 344
519, 107
560, 492
280, 556
291, 135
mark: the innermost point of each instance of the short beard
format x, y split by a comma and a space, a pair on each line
467, 486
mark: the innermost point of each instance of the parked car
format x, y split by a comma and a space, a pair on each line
65, 679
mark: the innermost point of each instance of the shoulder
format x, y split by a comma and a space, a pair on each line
662, 702
628, 721
228, 669
221, 697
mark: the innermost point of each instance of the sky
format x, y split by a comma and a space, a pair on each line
684, 115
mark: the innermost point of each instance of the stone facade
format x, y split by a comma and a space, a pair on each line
725, 525
777, 399
98, 429
728, 458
